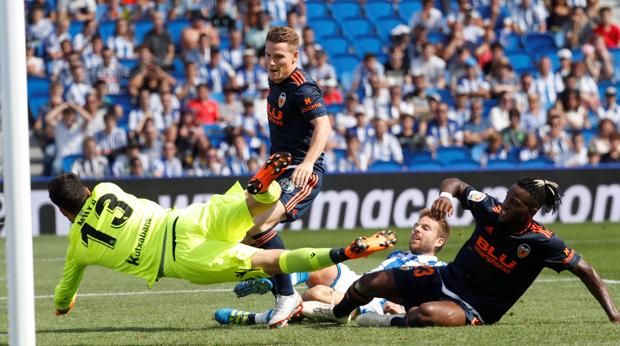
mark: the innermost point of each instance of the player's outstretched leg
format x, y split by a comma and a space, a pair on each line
227, 316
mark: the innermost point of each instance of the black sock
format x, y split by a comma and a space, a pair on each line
282, 284
351, 301
399, 321
337, 255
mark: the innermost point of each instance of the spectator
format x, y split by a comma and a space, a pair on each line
230, 110
513, 136
461, 110
577, 154
136, 168
354, 159
363, 72
191, 35
217, 72
152, 145
80, 10
578, 30
207, 161
138, 116
188, 89
221, 20
307, 39
78, 89
559, 15
205, 108
383, 146
610, 109
599, 63
376, 103
534, 118
412, 134
576, 115
555, 141
160, 42
201, 54
156, 103
458, 66
429, 17
239, 154
609, 31
323, 70
96, 111
250, 126
601, 143
69, 131
362, 130
93, 59
397, 106
443, 132
431, 66
529, 16
396, 68
111, 72
92, 164
473, 82
526, 88
39, 27
187, 134
147, 74
478, 129
495, 12
499, 114
346, 118
54, 39
171, 165
546, 84
35, 66
504, 80
126, 164
250, 75
495, 149
613, 156
255, 29
419, 97
566, 61
122, 41
112, 139
588, 89
82, 40
530, 149
331, 93
171, 110
234, 53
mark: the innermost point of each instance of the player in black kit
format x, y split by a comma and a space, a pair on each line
504, 255
298, 124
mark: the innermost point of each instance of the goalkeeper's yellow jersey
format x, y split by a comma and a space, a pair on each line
116, 230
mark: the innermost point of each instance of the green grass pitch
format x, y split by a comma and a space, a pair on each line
115, 309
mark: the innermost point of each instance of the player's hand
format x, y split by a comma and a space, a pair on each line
393, 308
302, 174
59, 312
442, 207
615, 319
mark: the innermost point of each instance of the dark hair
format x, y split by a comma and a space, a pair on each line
67, 192
545, 194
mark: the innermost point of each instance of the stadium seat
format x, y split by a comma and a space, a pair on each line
35, 103
124, 100
128, 63
385, 166
385, 25
339, 153
378, 8
141, 28
356, 26
512, 43
343, 8
537, 163
335, 108
344, 63
445, 94
550, 52
75, 27
425, 166
520, 60
417, 156
465, 164
578, 54
316, 9
38, 86
175, 27
324, 27
502, 164
450, 154
334, 45
68, 160
106, 30
101, 10
436, 37
534, 41
367, 44
407, 7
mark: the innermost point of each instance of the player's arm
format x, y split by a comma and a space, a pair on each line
597, 288
66, 290
449, 187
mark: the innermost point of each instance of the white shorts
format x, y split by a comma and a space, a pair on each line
346, 277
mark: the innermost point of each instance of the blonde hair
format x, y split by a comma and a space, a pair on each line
444, 227
279, 34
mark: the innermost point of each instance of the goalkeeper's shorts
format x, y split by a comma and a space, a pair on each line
203, 241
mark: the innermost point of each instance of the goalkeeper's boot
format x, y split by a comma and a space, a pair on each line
253, 286
364, 246
373, 319
275, 165
227, 316
322, 312
286, 308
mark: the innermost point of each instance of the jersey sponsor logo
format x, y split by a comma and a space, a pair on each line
275, 116
489, 253
307, 101
523, 250
84, 213
310, 108
476, 196
137, 251
570, 253
287, 185
282, 100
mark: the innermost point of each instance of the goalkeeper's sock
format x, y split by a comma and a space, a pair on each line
305, 260
263, 317
352, 300
271, 195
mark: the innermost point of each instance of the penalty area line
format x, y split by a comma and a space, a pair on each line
135, 293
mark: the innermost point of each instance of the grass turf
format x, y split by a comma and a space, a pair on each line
115, 309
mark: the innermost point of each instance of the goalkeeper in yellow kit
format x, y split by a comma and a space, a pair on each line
200, 243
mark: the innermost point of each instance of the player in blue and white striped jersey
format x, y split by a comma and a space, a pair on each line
328, 285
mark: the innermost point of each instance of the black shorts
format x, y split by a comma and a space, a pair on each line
298, 201
419, 285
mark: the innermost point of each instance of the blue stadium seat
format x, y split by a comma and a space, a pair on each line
335, 45
128, 63
503, 164
35, 103
68, 160
75, 27
324, 27
445, 94
344, 63
417, 156
615, 53
450, 154
551, 53
175, 27
106, 30
141, 28
343, 8
520, 60
512, 43
101, 10
537, 163
463, 164
378, 8
339, 153
38, 86
578, 54
436, 37
367, 44
316, 9
385, 24
533, 41
356, 26
124, 100
385, 166
335, 108
425, 166
407, 7
179, 65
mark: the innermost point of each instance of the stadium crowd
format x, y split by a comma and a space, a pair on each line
169, 88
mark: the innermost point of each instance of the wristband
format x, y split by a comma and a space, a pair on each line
446, 194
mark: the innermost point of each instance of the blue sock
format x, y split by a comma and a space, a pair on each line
282, 282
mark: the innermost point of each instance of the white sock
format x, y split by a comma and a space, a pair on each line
262, 317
